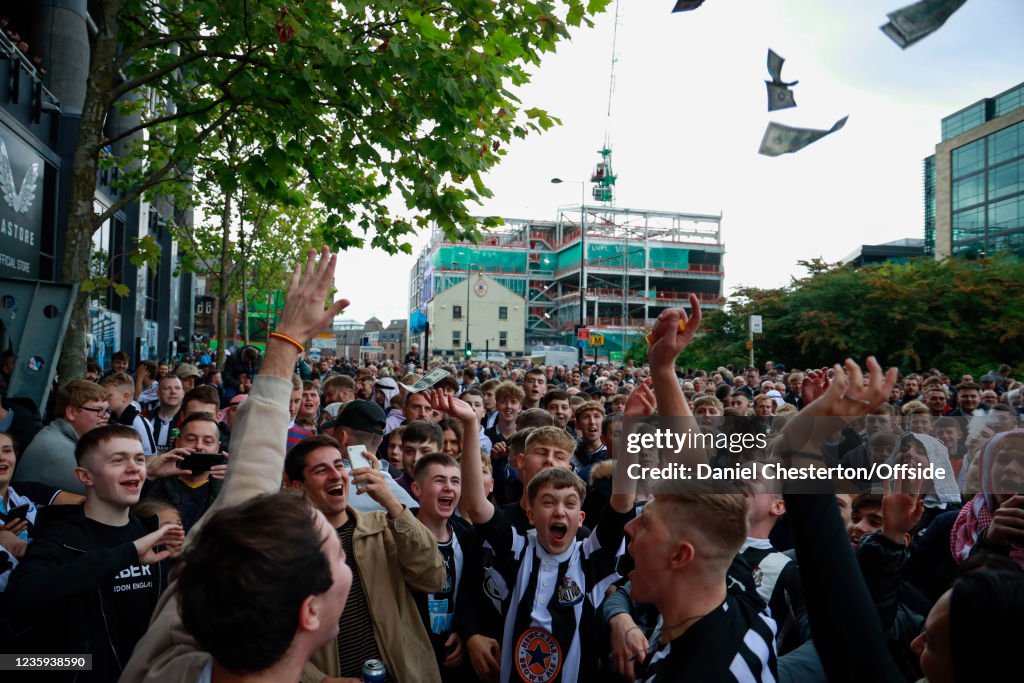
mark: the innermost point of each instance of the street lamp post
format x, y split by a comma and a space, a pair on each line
583, 255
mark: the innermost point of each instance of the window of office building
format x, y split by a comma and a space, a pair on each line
1006, 144
1007, 213
1006, 180
456, 312
963, 121
969, 224
502, 312
456, 337
1007, 102
969, 191
969, 158
502, 339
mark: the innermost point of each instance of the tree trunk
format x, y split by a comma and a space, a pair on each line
81, 215
224, 281
245, 273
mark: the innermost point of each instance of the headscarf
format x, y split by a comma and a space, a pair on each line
389, 388
976, 516
946, 489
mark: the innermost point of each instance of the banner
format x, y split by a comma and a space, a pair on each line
22, 172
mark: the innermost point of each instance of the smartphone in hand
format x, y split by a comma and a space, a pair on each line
357, 457
19, 512
197, 463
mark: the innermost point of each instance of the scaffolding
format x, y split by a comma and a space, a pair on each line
638, 262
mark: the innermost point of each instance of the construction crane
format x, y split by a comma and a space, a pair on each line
603, 177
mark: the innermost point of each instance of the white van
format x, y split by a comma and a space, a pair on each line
490, 357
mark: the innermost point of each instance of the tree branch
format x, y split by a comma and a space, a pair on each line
155, 178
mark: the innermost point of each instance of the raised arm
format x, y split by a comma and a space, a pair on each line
474, 499
259, 436
672, 333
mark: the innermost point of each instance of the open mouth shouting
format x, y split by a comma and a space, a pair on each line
558, 532
133, 485
446, 503
337, 490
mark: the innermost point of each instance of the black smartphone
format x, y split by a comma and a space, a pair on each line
197, 463
16, 513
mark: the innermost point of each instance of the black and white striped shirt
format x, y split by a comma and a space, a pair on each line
549, 600
732, 643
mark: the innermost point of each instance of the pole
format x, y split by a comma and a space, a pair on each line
583, 262
468, 287
426, 342
750, 341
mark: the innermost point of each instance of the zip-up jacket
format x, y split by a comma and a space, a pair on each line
55, 597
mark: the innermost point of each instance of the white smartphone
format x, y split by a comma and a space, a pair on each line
357, 457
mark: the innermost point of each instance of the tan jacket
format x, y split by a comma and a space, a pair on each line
394, 558
167, 652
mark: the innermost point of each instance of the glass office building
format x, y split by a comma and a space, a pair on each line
974, 184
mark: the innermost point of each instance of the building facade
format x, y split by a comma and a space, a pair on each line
481, 311
974, 183
44, 64
611, 269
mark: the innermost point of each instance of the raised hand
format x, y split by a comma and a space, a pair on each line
304, 315
846, 398
641, 402
901, 511
667, 339
455, 407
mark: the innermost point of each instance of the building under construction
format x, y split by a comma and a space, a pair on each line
630, 263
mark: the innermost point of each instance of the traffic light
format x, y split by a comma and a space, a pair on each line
469, 349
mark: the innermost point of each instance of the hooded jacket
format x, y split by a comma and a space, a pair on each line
56, 594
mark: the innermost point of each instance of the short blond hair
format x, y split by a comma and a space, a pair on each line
718, 519
551, 436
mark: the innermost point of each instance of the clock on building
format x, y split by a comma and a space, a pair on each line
480, 288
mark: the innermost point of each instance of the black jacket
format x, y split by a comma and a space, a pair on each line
55, 598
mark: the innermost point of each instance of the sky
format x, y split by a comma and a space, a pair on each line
688, 111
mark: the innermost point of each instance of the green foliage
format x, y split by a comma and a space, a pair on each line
956, 315
342, 104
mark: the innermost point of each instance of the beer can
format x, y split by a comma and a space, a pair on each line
374, 671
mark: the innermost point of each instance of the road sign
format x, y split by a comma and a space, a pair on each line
750, 345
755, 324
583, 333
597, 339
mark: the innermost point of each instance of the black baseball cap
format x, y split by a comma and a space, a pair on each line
364, 416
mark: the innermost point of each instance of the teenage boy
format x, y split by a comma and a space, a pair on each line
549, 583
120, 388
535, 385
91, 578
591, 449
557, 403
438, 486
166, 417
508, 399
475, 398
776, 575
419, 438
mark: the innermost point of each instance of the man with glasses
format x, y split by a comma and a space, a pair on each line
80, 406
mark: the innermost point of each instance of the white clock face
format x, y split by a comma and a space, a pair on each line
480, 288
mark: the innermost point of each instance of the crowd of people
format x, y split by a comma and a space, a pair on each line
281, 520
